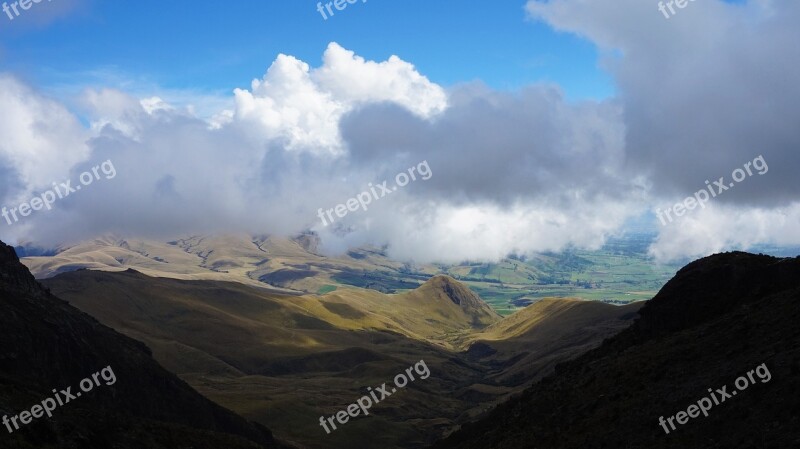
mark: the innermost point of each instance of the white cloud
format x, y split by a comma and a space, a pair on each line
512, 172
718, 228
153, 104
703, 92
356, 81
304, 106
41, 138
438, 231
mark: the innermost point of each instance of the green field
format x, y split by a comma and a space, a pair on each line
326, 289
601, 276
619, 273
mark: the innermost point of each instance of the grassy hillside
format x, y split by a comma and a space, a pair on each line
285, 360
620, 273
45, 343
720, 318
570, 326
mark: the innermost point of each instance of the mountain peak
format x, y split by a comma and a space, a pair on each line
13, 274
454, 290
712, 286
444, 288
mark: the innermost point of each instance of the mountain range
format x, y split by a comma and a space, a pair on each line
716, 321
559, 373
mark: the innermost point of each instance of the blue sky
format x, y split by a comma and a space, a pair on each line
215, 46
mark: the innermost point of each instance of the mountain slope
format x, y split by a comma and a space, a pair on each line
46, 343
285, 360
283, 264
455, 301
287, 324
545, 333
718, 319
296, 265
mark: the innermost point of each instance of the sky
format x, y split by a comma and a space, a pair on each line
541, 125
202, 46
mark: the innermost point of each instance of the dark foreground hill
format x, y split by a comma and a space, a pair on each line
47, 344
720, 318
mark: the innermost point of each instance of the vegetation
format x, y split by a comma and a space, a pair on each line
326, 289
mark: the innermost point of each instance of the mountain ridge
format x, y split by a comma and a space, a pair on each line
47, 343
745, 310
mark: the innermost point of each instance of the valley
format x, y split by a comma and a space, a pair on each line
282, 335
284, 360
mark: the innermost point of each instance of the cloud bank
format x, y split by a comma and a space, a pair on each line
525, 171
703, 93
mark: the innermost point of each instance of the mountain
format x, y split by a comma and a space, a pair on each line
721, 319
288, 265
569, 327
47, 344
285, 360
454, 301
620, 274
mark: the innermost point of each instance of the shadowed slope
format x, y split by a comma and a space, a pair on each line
528, 344
718, 319
46, 343
284, 360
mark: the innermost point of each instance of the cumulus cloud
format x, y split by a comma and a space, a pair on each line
718, 228
703, 93
439, 231
264, 166
502, 147
303, 106
40, 136
517, 172
513, 172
